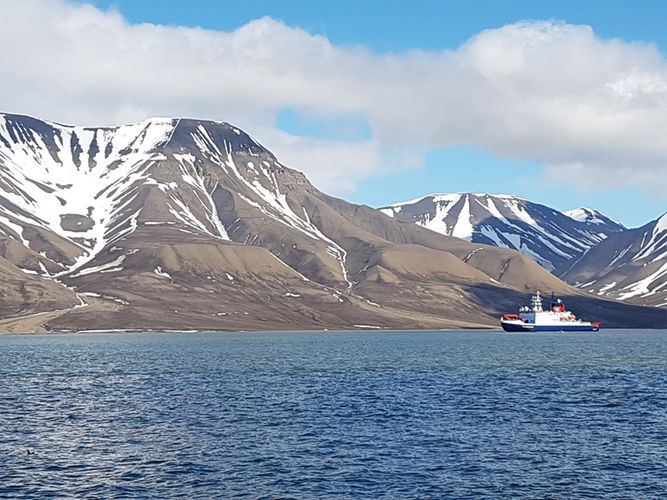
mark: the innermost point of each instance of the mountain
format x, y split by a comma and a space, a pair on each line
548, 236
629, 266
595, 218
190, 224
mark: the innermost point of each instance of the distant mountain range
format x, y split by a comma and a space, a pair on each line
547, 235
629, 266
189, 224
582, 246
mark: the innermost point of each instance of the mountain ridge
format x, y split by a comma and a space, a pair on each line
546, 235
630, 266
185, 223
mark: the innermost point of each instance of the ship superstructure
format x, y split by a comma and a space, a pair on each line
534, 318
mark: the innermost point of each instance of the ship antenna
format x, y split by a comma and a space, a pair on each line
536, 302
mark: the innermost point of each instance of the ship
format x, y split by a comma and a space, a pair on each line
557, 318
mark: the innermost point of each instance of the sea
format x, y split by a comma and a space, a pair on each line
334, 415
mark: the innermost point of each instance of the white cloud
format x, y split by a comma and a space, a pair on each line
338, 165
594, 111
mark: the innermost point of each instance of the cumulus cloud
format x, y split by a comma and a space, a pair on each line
336, 164
593, 111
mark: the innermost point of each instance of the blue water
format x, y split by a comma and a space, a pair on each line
309, 415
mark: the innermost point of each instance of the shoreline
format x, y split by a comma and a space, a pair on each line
241, 332
191, 331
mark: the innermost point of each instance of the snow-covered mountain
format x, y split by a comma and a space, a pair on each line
88, 188
629, 266
183, 223
591, 216
547, 235
71, 194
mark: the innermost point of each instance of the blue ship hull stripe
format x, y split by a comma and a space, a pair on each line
511, 327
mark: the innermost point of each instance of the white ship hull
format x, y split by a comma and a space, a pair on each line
517, 325
555, 319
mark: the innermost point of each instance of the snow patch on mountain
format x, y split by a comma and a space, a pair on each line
644, 287
51, 171
628, 266
655, 248
589, 215
548, 236
87, 184
463, 228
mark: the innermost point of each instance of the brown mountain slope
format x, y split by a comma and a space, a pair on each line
186, 224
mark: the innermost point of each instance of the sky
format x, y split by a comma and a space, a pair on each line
562, 103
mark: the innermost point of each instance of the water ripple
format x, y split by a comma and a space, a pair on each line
365, 415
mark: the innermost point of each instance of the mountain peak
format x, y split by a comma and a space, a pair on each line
661, 223
449, 196
589, 215
213, 136
108, 168
32, 120
548, 236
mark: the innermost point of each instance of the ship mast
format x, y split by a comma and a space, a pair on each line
536, 302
